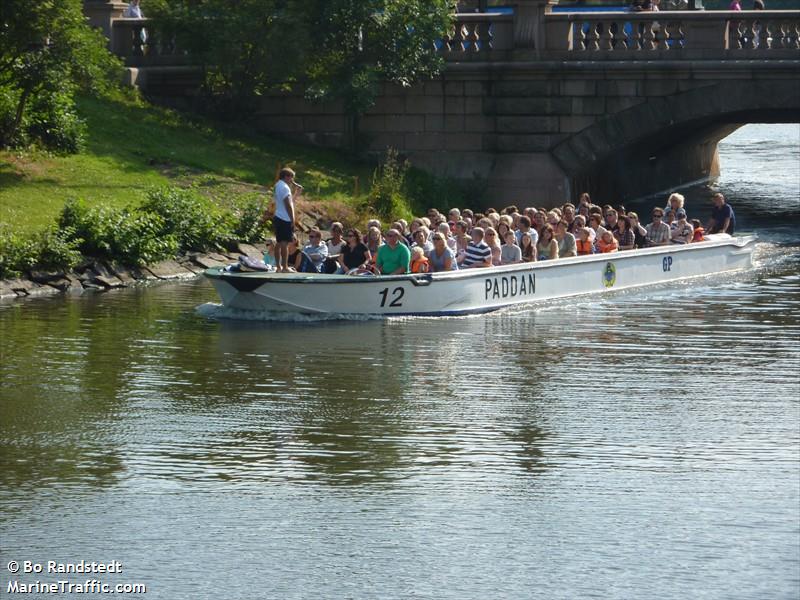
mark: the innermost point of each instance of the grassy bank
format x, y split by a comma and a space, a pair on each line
132, 147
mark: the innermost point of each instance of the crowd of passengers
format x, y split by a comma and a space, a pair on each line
463, 239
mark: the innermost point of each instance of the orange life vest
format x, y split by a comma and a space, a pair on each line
607, 247
583, 247
419, 265
699, 234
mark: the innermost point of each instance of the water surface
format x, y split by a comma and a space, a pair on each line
639, 445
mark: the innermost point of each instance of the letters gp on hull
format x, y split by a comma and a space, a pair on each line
510, 286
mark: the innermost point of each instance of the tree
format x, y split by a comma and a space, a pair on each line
328, 49
47, 53
361, 43
246, 48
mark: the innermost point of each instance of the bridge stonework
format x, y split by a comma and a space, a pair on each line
543, 131
541, 105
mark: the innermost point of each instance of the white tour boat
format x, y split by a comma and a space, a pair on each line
480, 290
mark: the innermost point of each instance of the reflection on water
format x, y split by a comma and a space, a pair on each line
641, 444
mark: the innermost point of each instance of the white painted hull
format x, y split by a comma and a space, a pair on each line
480, 290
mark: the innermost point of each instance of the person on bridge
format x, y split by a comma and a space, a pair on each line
133, 11
722, 218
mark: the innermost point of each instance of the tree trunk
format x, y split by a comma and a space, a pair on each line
23, 100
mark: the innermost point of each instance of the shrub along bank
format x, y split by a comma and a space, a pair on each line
169, 223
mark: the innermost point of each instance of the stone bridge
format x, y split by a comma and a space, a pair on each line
540, 105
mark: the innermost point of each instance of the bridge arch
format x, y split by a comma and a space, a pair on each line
668, 141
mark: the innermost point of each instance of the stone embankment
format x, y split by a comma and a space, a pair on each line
101, 275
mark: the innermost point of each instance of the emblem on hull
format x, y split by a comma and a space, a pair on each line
609, 275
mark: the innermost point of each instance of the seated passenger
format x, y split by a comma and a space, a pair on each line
607, 243
462, 238
355, 254
442, 258
336, 242
624, 235
421, 239
490, 237
612, 220
566, 241
370, 224
314, 253
394, 257
539, 223
478, 253
527, 246
699, 232
639, 232
674, 202
401, 226
525, 227
722, 218
547, 248
596, 225
584, 243
568, 212
295, 255
682, 230
658, 232
419, 263
511, 253
374, 241
444, 230
502, 229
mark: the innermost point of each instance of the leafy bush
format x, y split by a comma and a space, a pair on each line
386, 195
425, 190
130, 236
50, 249
140, 238
53, 120
195, 221
58, 249
18, 253
248, 211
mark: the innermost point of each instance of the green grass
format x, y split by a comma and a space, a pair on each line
133, 147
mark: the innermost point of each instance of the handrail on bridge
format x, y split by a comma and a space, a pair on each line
678, 35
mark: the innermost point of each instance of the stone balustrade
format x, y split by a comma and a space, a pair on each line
623, 35
139, 45
478, 33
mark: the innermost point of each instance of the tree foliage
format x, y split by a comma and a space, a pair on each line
330, 49
48, 52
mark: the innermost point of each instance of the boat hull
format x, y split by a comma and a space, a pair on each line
479, 290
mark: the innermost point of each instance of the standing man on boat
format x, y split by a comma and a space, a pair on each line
284, 219
722, 218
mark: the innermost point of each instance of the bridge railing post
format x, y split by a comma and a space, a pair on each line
101, 14
530, 31
705, 34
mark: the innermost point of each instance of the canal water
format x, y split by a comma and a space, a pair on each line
640, 445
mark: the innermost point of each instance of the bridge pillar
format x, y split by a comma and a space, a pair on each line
529, 23
101, 13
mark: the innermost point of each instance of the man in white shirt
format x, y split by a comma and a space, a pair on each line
284, 218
